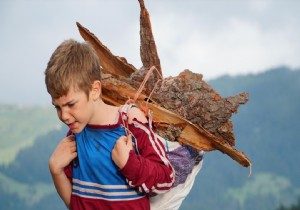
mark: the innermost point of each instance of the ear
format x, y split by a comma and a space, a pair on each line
96, 90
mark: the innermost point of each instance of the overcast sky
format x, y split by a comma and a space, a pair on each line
212, 37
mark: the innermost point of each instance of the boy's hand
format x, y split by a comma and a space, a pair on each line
120, 152
64, 153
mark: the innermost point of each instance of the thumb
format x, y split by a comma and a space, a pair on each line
71, 137
129, 140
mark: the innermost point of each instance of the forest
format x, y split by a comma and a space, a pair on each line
266, 129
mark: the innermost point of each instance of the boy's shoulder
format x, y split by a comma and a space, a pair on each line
133, 112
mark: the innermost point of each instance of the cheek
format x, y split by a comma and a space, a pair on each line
80, 113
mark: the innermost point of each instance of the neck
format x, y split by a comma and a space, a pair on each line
105, 114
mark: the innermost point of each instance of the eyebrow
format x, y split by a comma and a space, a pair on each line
66, 104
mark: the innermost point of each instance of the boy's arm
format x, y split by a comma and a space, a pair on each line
64, 153
63, 187
150, 170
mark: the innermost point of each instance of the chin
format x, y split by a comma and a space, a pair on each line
76, 130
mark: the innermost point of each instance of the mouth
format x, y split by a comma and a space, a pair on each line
72, 125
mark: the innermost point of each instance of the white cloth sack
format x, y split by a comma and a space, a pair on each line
172, 199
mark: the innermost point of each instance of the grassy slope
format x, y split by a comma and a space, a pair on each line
28, 193
20, 125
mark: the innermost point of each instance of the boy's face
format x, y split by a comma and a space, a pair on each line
74, 109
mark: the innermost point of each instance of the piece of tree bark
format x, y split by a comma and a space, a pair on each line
148, 51
192, 98
185, 108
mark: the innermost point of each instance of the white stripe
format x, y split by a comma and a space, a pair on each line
162, 140
108, 199
145, 188
125, 109
153, 143
99, 192
157, 137
91, 184
164, 185
130, 183
158, 146
159, 191
173, 173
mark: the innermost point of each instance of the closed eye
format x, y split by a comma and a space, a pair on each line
70, 105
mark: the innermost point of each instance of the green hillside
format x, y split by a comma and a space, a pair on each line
266, 130
26, 183
20, 125
20, 190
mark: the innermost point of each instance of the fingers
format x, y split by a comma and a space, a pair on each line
129, 139
70, 138
73, 148
121, 150
70, 141
125, 141
68, 146
123, 138
130, 143
74, 155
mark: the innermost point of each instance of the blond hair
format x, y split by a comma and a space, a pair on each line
72, 65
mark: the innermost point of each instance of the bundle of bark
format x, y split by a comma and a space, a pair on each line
185, 108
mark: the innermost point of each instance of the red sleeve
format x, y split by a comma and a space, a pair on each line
68, 172
149, 169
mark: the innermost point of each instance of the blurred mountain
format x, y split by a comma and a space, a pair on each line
20, 125
266, 130
26, 183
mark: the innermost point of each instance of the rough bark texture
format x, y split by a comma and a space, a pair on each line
184, 108
193, 99
148, 51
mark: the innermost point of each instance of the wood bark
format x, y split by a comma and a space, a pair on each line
148, 51
185, 108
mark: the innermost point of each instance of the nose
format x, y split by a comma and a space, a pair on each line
64, 115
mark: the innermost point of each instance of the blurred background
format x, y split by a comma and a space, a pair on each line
239, 46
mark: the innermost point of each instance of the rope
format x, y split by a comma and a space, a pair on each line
147, 76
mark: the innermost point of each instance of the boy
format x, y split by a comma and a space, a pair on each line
96, 166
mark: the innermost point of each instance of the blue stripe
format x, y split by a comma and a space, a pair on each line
106, 189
